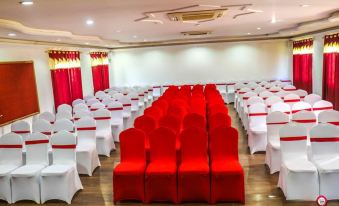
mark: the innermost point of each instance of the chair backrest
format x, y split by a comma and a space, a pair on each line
63, 124
117, 96
322, 105
275, 121
37, 149
63, 147
282, 93
103, 120
11, 149
194, 120
300, 106
329, 116
281, 107
132, 146
301, 93
126, 104
86, 131
80, 106
257, 114
312, 98
108, 101
145, 123
64, 107
193, 144
97, 106
92, 101
289, 88
219, 119
305, 118
293, 140
247, 95
99, 94
253, 100
42, 126
244, 90
21, 128
223, 144
48, 116
88, 97
274, 89
162, 146
260, 89
134, 101
265, 94
78, 101
64, 115
291, 99
171, 122
116, 110
82, 113
324, 141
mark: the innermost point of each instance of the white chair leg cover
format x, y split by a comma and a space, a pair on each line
300, 185
329, 182
5, 187
26, 187
105, 144
257, 141
87, 161
272, 158
116, 130
60, 186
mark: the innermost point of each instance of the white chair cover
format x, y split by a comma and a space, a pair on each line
259, 89
252, 100
298, 177
282, 93
312, 98
300, 106
275, 120
97, 106
48, 116
281, 107
108, 101
26, 179
156, 91
78, 101
10, 159
291, 99
92, 101
117, 122
43, 127
88, 97
265, 94
64, 107
21, 128
301, 93
61, 180
80, 106
329, 116
230, 92
126, 114
82, 113
289, 88
325, 156
322, 105
274, 89
86, 152
105, 143
64, 115
257, 136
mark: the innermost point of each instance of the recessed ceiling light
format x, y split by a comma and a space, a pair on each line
248, 33
86, 43
58, 40
26, 3
258, 28
12, 34
118, 31
305, 5
255, 10
135, 36
89, 22
145, 39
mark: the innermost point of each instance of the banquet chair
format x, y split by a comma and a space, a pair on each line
150, 93
252, 100
64, 115
272, 100
301, 93
243, 108
194, 120
131, 169
274, 89
117, 96
92, 101
86, 152
194, 167
312, 98
78, 101
257, 131
43, 127
134, 101
298, 177
48, 116
300, 106
274, 121
88, 97
63, 124
282, 93
291, 99
21, 128
289, 88
80, 106
219, 119
281, 107
260, 89
25, 180
104, 139
64, 107
126, 112
321, 105
161, 172
117, 123
237, 87
99, 94
107, 101
61, 179
266, 94
10, 159
227, 175
325, 156
81, 113
306, 119
156, 91
240, 100
329, 116
97, 106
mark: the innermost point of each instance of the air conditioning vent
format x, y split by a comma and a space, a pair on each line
201, 15
196, 33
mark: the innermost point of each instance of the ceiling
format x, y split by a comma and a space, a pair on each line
116, 21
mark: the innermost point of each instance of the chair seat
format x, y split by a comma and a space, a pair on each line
57, 170
103, 134
85, 148
300, 165
28, 170
162, 168
258, 129
130, 167
194, 167
117, 122
6, 169
327, 165
126, 115
226, 166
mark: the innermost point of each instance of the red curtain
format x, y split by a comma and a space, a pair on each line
331, 70
302, 64
100, 71
66, 76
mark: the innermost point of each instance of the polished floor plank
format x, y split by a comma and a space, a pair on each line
261, 189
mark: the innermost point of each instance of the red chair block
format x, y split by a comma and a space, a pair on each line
194, 120
131, 170
227, 175
161, 173
194, 173
219, 119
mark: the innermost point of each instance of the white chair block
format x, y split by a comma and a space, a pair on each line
48, 116
322, 105
104, 138
64, 107
329, 116
257, 132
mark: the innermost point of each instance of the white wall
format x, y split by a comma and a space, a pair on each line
202, 63
37, 54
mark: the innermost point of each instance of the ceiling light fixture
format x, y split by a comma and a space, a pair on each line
190, 22
26, 3
213, 6
248, 33
156, 21
118, 31
12, 34
305, 5
135, 36
89, 22
86, 43
58, 40
255, 10
274, 19
258, 28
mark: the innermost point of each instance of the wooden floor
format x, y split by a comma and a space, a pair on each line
261, 187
